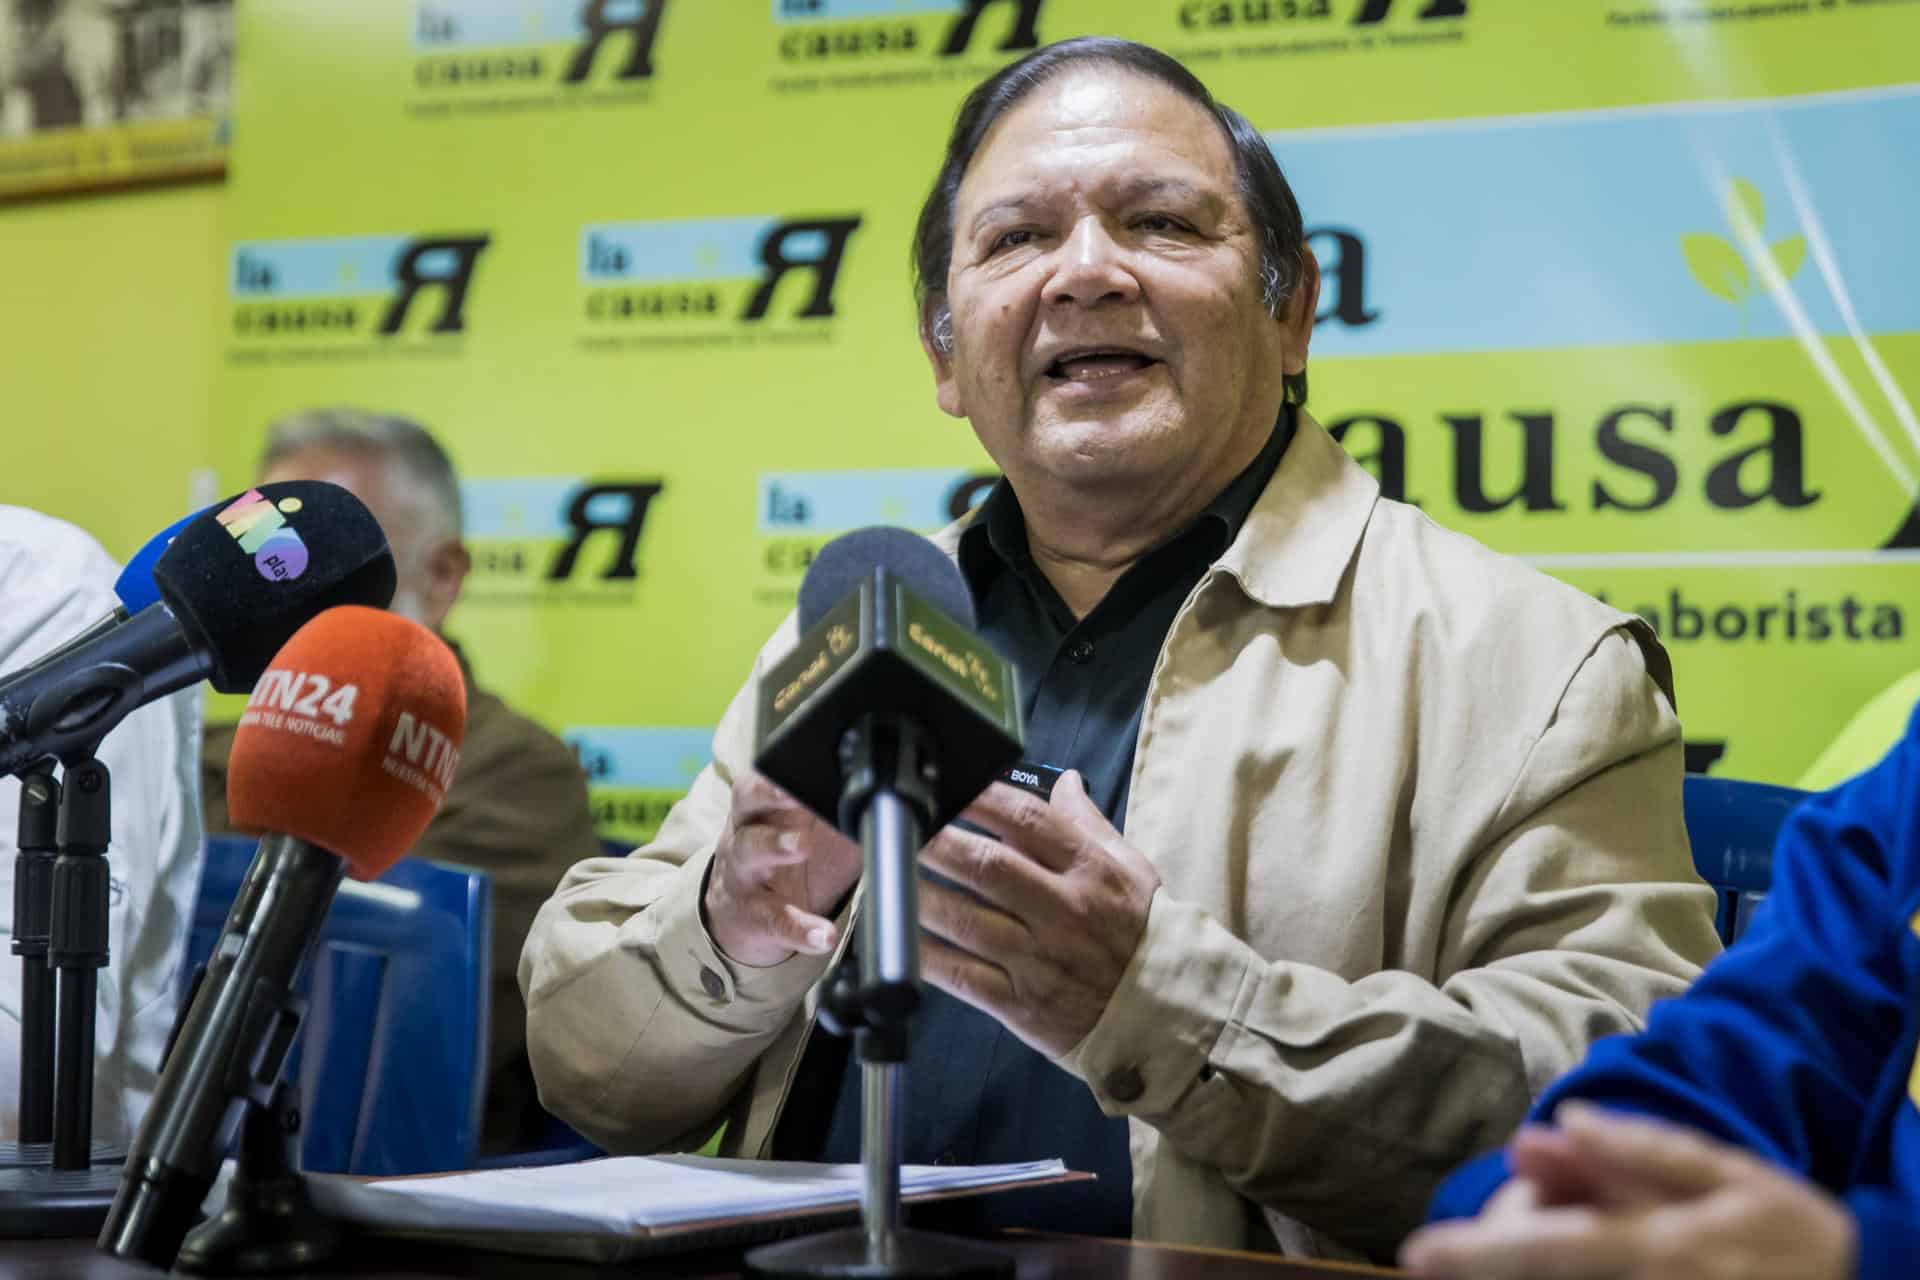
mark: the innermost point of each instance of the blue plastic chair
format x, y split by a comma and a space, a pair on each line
390, 1067
559, 1143
1732, 825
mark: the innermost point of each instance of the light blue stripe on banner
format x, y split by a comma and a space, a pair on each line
842, 10
835, 501
336, 267
493, 24
686, 249
523, 506
1556, 232
658, 758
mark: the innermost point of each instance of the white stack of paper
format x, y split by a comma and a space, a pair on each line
683, 1200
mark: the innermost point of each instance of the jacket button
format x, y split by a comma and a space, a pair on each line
1080, 651
1125, 1085
711, 983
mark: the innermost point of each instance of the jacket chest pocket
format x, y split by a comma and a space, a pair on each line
1268, 790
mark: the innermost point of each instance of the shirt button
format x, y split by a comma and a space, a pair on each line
1125, 1085
711, 983
1080, 651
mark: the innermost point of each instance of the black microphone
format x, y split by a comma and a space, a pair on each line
887, 720
233, 585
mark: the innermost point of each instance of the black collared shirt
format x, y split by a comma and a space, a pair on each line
975, 1094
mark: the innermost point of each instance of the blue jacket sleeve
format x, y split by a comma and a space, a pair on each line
1778, 1046
1889, 1235
1469, 1188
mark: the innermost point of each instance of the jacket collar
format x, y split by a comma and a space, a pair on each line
1303, 531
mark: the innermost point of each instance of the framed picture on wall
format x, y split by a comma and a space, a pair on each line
99, 94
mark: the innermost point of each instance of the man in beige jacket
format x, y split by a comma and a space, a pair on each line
1369, 832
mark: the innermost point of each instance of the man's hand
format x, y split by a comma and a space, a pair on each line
1062, 903
1612, 1196
777, 871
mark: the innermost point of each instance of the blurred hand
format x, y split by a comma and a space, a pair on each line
1062, 903
777, 873
1613, 1197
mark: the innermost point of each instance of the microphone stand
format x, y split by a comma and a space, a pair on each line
82, 897
269, 1225
71, 1196
32, 933
887, 799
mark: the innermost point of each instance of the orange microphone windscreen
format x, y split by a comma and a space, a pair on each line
351, 737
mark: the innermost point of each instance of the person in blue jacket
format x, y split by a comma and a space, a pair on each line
1766, 1123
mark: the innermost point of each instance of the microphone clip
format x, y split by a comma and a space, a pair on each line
884, 751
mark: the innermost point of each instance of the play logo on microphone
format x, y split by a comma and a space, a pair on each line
261, 529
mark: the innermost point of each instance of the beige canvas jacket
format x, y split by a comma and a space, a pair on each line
1417, 812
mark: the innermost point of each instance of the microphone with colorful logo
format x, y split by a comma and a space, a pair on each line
233, 584
342, 757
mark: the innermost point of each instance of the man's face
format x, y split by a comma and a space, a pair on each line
421, 591
1108, 330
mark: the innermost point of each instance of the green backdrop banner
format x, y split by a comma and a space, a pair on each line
1617, 287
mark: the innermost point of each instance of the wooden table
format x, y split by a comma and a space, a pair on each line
1040, 1257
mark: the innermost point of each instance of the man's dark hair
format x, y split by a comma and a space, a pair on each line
1263, 188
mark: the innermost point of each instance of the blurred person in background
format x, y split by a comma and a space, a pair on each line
518, 806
